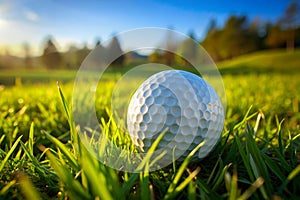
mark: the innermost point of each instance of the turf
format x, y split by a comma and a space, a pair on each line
278, 61
257, 157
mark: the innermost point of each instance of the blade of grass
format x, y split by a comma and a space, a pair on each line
245, 158
280, 140
30, 139
2, 138
37, 165
273, 166
128, 184
74, 135
76, 191
246, 118
203, 186
6, 188
290, 177
220, 177
4, 161
233, 193
191, 191
144, 183
98, 175
258, 162
186, 181
294, 173
227, 181
27, 187
214, 171
180, 171
149, 154
13, 135
258, 183
70, 157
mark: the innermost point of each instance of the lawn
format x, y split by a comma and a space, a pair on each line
258, 155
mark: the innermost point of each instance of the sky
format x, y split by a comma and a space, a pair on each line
84, 22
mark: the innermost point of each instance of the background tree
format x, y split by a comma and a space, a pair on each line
27, 56
212, 26
237, 37
170, 44
211, 43
51, 57
155, 56
275, 38
114, 49
70, 57
82, 54
187, 50
289, 22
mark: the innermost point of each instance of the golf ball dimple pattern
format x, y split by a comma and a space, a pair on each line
183, 105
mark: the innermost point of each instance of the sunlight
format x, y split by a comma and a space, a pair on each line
3, 23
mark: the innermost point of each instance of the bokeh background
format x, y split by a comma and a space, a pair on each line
52, 34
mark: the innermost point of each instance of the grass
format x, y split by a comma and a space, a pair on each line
279, 61
257, 157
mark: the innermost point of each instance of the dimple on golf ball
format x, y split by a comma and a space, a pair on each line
182, 105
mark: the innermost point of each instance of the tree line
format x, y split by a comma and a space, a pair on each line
72, 59
240, 36
52, 58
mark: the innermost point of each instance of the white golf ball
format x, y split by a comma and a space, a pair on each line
183, 105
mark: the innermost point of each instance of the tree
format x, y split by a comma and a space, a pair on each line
212, 26
27, 56
188, 50
289, 22
210, 43
81, 54
113, 50
155, 56
275, 38
237, 37
51, 57
170, 46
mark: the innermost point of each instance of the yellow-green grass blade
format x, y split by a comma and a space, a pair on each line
149, 154
290, 177
70, 157
74, 188
9, 153
74, 135
7, 187
234, 191
2, 138
30, 139
189, 179
181, 170
27, 188
35, 162
258, 183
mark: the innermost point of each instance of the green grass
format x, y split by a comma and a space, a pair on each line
257, 157
279, 61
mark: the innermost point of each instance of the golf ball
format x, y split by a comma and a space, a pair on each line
182, 105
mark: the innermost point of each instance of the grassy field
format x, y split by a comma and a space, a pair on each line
258, 155
277, 61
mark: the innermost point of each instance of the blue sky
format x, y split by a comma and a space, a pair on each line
82, 22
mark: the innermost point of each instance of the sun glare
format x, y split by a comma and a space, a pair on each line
3, 23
